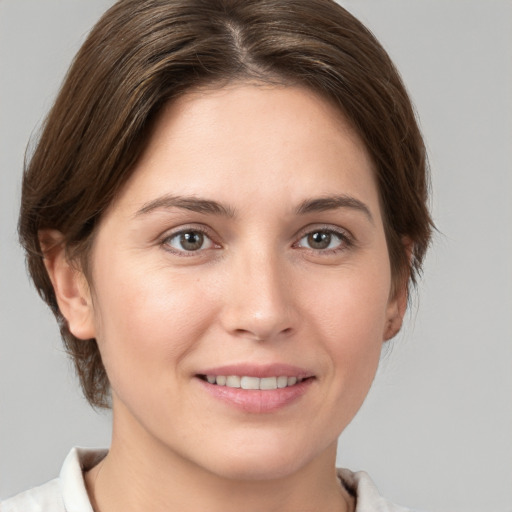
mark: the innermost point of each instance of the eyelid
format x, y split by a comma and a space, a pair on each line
345, 236
184, 229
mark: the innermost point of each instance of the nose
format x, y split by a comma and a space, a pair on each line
258, 303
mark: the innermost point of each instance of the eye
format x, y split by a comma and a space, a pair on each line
190, 240
323, 240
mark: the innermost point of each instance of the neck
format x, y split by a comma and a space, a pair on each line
141, 474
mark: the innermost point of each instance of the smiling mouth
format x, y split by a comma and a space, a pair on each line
248, 382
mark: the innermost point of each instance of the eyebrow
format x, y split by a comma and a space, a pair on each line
323, 204
188, 203
208, 206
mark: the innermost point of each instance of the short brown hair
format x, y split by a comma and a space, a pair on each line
144, 53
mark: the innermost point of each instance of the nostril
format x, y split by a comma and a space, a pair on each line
263, 336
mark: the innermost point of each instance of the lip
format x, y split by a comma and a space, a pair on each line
257, 401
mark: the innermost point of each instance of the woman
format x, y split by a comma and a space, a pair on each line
224, 211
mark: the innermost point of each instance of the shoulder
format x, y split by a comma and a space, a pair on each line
66, 493
45, 498
368, 498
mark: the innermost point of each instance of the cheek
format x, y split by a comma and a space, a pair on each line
354, 304
350, 316
146, 320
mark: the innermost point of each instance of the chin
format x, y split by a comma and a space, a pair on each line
263, 461
258, 469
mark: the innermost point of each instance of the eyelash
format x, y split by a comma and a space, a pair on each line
345, 240
184, 231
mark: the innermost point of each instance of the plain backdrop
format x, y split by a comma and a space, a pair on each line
436, 430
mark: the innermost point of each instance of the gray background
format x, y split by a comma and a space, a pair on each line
436, 430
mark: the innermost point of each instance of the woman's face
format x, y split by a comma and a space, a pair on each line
247, 250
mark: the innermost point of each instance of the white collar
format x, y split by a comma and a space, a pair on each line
79, 460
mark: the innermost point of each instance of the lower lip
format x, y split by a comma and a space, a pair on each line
258, 401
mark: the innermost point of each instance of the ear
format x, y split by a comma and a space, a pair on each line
397, 304
396, 308
70, 286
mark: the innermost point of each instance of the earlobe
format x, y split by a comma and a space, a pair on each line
395, 314
397, 304
70, 286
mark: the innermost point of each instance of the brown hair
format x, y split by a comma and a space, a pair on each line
144, 53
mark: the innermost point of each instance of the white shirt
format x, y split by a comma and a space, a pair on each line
67, 493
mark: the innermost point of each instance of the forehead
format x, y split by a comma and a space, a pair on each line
252, 141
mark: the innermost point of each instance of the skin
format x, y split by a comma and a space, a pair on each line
257, 291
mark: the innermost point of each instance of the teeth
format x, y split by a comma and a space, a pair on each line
246, 382
268, 383
233, 381
250, 383
282, 382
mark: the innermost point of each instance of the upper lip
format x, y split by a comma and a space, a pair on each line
255, 370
